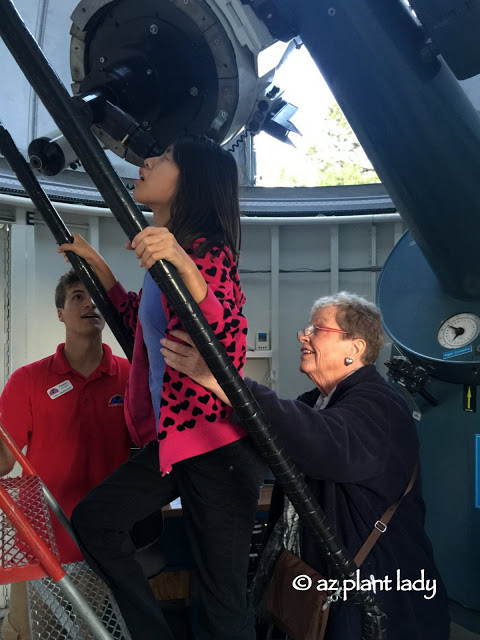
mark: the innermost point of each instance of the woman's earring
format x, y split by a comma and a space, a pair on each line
348, 361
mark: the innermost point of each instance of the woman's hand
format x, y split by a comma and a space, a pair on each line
85, 250
81, 247
157, 243
187, 359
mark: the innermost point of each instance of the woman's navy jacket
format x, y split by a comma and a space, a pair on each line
358, 455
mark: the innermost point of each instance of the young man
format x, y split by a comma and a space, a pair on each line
68, 410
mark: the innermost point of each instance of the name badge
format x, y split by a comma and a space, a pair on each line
59, 389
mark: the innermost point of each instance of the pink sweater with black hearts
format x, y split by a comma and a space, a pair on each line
192, 420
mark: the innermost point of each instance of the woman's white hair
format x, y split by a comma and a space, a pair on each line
358, 317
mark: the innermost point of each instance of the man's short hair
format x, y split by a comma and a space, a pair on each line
67, 280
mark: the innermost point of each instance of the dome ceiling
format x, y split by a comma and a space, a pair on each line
23, 114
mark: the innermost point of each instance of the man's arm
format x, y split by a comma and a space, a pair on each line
15, 415
7, 459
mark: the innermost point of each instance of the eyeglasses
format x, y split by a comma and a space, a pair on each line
311, 328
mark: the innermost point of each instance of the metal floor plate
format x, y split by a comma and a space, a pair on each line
52, 617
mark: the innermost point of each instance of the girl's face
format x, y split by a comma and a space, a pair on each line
158, 184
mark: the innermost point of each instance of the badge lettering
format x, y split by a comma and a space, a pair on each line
59, 389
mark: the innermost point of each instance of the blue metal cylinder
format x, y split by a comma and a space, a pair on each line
414, 309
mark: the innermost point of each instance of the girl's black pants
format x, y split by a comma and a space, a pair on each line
219, 493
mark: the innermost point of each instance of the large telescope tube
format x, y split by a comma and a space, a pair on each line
72, 122
412, 118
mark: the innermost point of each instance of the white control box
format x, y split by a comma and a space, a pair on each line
262, 341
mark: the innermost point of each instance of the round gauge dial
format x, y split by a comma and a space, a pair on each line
459, 330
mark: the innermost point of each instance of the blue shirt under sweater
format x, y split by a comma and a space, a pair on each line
153, 321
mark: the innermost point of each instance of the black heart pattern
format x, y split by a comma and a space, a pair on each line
176, 408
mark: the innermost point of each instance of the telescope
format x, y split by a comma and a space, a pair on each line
144, 78
144, 73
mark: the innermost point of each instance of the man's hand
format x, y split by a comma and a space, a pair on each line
187, 359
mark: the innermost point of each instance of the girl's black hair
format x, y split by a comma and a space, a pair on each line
206, 204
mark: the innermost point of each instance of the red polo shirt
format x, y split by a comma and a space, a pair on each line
74, 427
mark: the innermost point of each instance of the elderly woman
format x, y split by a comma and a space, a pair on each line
354, 439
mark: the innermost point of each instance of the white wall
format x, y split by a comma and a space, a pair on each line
35, 330
305, 247
4, 290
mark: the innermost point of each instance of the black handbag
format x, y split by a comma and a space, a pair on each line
301, 614
296, 600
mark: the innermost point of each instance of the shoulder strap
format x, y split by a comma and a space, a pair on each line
381, 525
